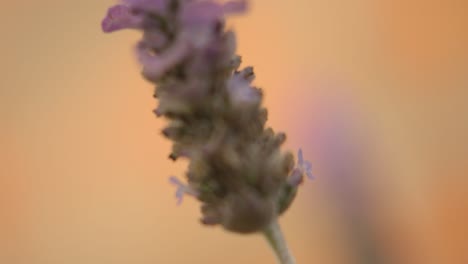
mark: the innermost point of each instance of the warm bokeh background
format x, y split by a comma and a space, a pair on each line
374, 91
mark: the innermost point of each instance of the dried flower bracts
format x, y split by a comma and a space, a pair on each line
216, 120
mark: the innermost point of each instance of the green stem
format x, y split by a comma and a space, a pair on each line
276, 239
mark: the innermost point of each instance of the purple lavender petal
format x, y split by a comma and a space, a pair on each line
175, 181
295, 179
304, 165
241, 92
300, 159
156, 65
199, 20
308, 169
235, 7
179, 195
196, 13
154, 39
119, 17
152, 6
180, 189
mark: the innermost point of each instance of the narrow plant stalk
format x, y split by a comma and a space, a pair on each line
276, 240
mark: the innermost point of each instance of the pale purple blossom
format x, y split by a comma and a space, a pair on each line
181, 189
154, 39
304, 165
201, 13
235, 7
199, 19
152, 6
155, 65
240, 91
120, 17
296, 177
208, 12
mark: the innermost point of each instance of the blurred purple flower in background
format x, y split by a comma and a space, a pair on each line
341, 142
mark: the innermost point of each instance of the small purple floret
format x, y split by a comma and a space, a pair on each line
181, 189
241, 92
153, 6
196, 13
154, 66
235, 7
304, 165
120, 17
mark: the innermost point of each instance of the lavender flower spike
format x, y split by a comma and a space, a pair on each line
237, 169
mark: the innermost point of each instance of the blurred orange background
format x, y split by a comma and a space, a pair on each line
373, 91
